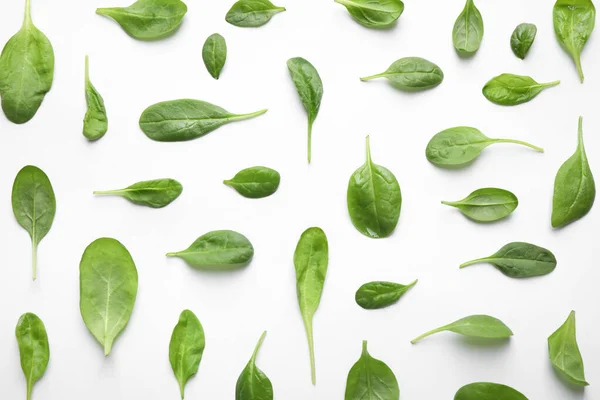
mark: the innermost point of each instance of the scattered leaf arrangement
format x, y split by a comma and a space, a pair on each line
108, 275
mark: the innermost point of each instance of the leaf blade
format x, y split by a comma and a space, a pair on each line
186, 348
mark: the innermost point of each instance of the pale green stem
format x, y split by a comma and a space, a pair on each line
260, 342
172, 254
280, 9
311, 349
27, 20
310, 125
539, 149
472, 262
240, 117
364, 348
181, 388
34, 259
418, 338
368, 78
29, 387
577, 58
107, 347
108, 192
580, 132
550, 84
368, 150
87, 69
413, 283
450, 203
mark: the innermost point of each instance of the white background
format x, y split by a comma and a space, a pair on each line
429, 243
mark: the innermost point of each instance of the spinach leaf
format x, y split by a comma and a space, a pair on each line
108, 284
479, 326
511, 90
186, 348
34, 206
252, 13
411, 73
488, 391
148, 19
180, 120
370, 378
26, 71
156, 193
522, 38
214, 54
95, 122
459, 146
520, 260
374, 13
374, 199
468, 30
375, 295
564, 352
253, 384
310, 89
574, 22
487, 204
218, 250
310, 260
255, 182
574, 187
33, 348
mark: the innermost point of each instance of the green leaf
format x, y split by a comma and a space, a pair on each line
26, 71
374, 13
310, 260
156, 193
95, 122
574, 22
374, 199
255, 182
574, 187
459, 146
511, 90
468, 30
34, 206
148, 19
488, 391
252, 13
310, 89
33, 348
186, 348
411, 74
375, 295
479, 326
214, 54
564, 352
252, 383
520, 260
108, 284
181, 120
370, 378
487, 204
218, 250
522, 38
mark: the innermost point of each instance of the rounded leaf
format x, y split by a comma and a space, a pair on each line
255, 182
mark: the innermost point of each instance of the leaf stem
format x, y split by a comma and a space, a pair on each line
311, 348
310, 125
34, 260
108, 192
369, 150
436, 330
29, 387
87, 69
27, 19
257, 348
364, 348
550, 84
450, 203
472, 262
577, 59
368, 78
580, 132
172, 254
536, 148
181, 388
239, 117
413, 283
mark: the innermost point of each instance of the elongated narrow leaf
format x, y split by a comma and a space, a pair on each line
186, 348
511, 89
156, 193
411, 73
214, 54
375, 295
33, 348
479, 326
564, 352
371, 378
488, 391
255, 182
522, 38
468, 30
374, 13
252, 383
95, 122
487, 204
252, 13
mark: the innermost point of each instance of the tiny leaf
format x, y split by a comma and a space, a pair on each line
371, 378
156, 193
511, 90
488, 391
374, 13
214, 54
252, 13
255, 182
375, 295
468, 30
479, 326
186, 348
411, 74
522, 38
252, 383
564, 352
33, 348
95, 122
486, 205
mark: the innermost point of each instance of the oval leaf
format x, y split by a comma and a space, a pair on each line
214, 54
370, 378
252, 13
374, 13
511, 90
255, 182
218, 250
33, 348
374, 199
564, 352
95, 122
156, 193
479, 326
411, 73
186, 348
375, 295
252, 383
468, 30
522, 38
487, 204
488, 391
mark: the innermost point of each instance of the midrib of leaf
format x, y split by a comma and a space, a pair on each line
128, 12
362, 6
108, 295
30, 377
368, 374
582, 157
372, 184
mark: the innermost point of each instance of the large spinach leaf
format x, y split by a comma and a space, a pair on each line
33, 348
252, 383
252, 13
411, 73
371, 378
487, 204
564, 352
255, 182
186, 348
511, 90
488, 391
468, 30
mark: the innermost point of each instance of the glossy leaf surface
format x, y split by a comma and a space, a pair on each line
511, 90
486, 205
375, 295
252, 13
156, 193
186, 348
468, 30
371, 378
255, 182
374, 13
488, 391
252, 383
564, 352
479, 326
95, 122
34, 349
522, 38
411, 73
214, 54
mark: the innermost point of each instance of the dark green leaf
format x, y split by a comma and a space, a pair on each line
564, 352
95, 122
468, 30
253, 384
479, 326
510, 89
374, 13
370, 378
522, 38
252, 13
255, 182
156, 193
214, 54
488, 391
375, 295
186, 348
487, 204
33, 348
411, 73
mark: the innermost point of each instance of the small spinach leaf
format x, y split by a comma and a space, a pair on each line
26, 71
255, 182
181, 120
310, 89
511, 90
468, 30
186, 348
310, 261
214, 54
522, 38
34, 205
95, 122
148, 19
411, 73
520, 260
374, 13
479, 326
574, 22
33, 348
156, 193
252, 13
574, 187
252, 383
374, 199
218, 250
564, 352
488, 391
487, 204
370, 378
108, 284
457, 147
375, 295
